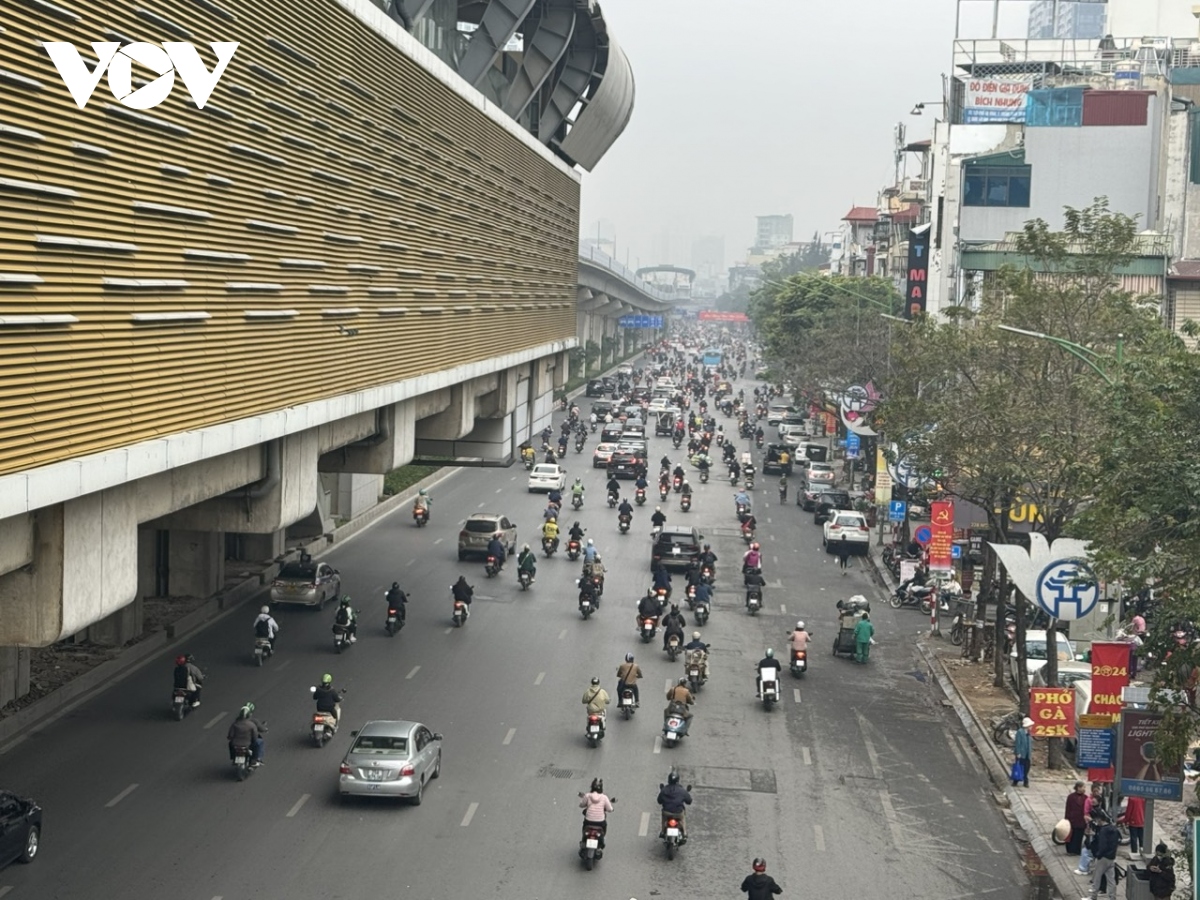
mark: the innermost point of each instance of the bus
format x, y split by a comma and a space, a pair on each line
713, 357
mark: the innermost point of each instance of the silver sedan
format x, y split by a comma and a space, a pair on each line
391, 758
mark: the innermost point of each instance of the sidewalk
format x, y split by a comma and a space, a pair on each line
1031, 812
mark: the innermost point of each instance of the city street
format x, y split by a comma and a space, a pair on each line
859, 782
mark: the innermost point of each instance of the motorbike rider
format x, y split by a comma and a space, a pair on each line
265, 626
664, 480
527, 562
589, 590
649, 606
741, 498
752, 558
749, 524
596, 805
695, 645
767, 662
673, 797
613, 486
625, 509
463, 592
798, 639
577, 532
527, 454
662, 578
679, 472
577, 489
346, 619
397, 600
628, 674
189, 677
328, 700
760, 885
708, 558
496, 548
735, 469
550, 459
679, 700
596, 699
686, 488
659, 519
423, 501
664, 464
550, 531
590, 553
703, 594
641, 483
246, 731
554, 498
673, 623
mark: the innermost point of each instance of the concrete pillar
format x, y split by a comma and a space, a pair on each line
197, 563
261, 547
354, 494
117, 629
389, 448
455, 421
14, 673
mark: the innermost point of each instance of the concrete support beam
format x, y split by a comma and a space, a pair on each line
16, 542
453, 422
120, 627
501, 402
196, 562
261, 547
389, 445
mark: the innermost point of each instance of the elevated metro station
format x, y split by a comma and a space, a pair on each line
218, 323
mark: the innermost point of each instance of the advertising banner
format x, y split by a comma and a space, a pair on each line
1110, 673
1143, 774
883, 478
713, 316
995, 99
1053, 712
917, 286
1097, 742
941, 544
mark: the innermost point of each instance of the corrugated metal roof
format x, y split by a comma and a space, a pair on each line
861, 214
1116, 107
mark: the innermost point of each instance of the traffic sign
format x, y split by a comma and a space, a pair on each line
853, 445
923, 535
956, 551
897, 509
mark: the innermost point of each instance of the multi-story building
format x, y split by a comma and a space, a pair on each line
1159, 18
1067, 19
772, 233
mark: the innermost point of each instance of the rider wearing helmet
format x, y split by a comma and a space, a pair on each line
799, 638
760, 885
673, 797
697, 646
659, 519
628, 674
590, 552
346, 619
328, 700
527, 562
247, 732
595, 698
550, 531
188, 677
595, 805
265, 626
423, 501
396, 599
679, 699
495, 549
767, 662
752, 558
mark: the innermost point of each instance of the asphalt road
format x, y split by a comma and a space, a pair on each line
857, 784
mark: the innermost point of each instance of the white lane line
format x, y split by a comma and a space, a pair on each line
291, 813
283, 665
214, 720
8, 887
508, 737
121, 796
480, 506
771, 536
819, 838
410, 562
498, 490
783, 608
806, 756
448, 630
644, 825
796, 694
439, 540
562, 634
538, 680
658, 744
768, 520
469, 816
415, 670
670, 683
775, 560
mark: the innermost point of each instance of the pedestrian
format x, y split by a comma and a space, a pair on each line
1074, 814
864, 633
1134, 818
1107, 840
1023, 749
1162, 873
843, 553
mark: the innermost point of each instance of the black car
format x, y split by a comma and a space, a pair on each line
677, 547
598, 387
827, 502
603, 407
20, 828
770, 459
624, 464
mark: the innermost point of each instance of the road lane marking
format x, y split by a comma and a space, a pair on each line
819, 838
508, 737
291, 813
121, 796
562, 634
448, 630
775, 560
806, 756
283, 665
439, 540
796, 694
410, 562
771, 536
768, 520
644, 825
415, 670
658, 744
469, 816
538, 680
783, 608
8, 887
480, 506
953, 747
499, 490
214, 720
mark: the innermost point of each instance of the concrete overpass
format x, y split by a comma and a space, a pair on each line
607, 291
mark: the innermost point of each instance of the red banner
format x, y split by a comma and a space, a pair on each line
1052, 711
941, 544
711, 316
1110, 673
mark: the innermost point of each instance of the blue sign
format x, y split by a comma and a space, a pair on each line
923, 535
1096, 748
897, 509
852, 445
1067, 589
640, 321
956, 551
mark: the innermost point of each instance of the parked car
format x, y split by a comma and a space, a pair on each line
850, 525
813, 451
677, 547
776, 411
547, 477
792, 435
829, 502
391, 759
1068, 674
810, 492
602, 454
1035, 653
478, 530
820, 473
20, 829
309, 583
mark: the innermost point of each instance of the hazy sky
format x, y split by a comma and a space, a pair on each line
755, 107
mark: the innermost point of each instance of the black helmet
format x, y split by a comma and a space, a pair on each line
673, 778
760, 864
395, 585
346, 600
595, 681
598, 785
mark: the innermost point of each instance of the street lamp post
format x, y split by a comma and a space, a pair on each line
1077, 350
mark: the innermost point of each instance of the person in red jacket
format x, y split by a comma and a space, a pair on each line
1134, 819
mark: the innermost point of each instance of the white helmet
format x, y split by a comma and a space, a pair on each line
265, 610
800, 625
695, 635
590, 542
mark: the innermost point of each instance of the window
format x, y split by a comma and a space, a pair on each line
299, 571
997, 186
381, 745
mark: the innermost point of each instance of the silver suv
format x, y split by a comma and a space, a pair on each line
478, 530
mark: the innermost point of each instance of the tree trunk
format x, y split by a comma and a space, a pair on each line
985, 594
1054, 754
999, 653
1022, 672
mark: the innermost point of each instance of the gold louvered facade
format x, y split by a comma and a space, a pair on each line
335, 218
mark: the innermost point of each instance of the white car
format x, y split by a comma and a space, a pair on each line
602, 454
1035, 653
849, 525
547, 477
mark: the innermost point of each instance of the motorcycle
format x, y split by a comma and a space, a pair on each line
524, 578
673, 645
704, 476
625, 702
799, 663
324, 725
770, 687
491, 567
690, 596
747, 535
733, 477
241, 763
262, 649
749, 482
695, 665
701, 610
592, 427
341, 637
459, 617
663, 492
529, 464
677, 483
549, 545
754, 600
623, 521
743, 512
180, 703
957, 630
707, 575
394, 621
613, 497
677, 440
576, 501
579, 444
663, 595
586, 606
685, 502
573, 549
783, 491
595, 729
647, 628
675, 727
758, 441
639, 496
672, 834
421, 516
591, 845
915, 595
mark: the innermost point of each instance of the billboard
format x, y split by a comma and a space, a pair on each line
1142, 773
988, 100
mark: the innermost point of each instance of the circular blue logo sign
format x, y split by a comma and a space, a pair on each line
1067, 589
923, 535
